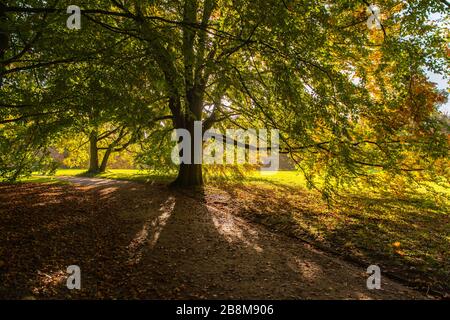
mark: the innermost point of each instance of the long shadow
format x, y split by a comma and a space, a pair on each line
140, 241
364, 229
418, 227
44, 229
202, 252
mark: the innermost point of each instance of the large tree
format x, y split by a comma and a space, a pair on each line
311, 69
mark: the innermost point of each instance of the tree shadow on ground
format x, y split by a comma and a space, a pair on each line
407, 237
137, 241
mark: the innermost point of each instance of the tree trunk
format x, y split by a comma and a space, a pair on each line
189, 175
93, 153
105, 160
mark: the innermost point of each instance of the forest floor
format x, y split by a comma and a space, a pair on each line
146, 241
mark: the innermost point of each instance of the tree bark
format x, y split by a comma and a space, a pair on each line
189, 175
93, 153
105, 160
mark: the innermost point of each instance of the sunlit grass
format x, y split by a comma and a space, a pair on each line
69, 172
255, 176
137, 176
288, 178
119, 174
35, 179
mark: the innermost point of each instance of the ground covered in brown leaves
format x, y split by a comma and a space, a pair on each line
138, 241
406, 234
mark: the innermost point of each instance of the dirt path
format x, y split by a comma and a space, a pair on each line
148, 242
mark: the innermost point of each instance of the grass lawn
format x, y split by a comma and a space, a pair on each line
404, 230
120, 174
35, 179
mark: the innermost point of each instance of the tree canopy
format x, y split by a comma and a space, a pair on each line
345, 98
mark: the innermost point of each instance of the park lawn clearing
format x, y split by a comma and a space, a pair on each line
36, 179
145, 176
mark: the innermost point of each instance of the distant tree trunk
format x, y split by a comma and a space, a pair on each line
93, 153
105, 160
